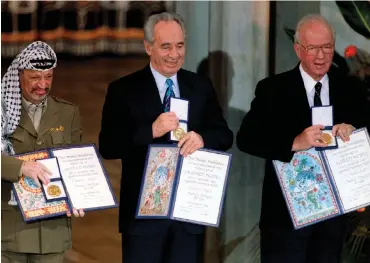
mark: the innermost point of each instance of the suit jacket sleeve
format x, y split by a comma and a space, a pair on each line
117, 135
261, 132
10, 168
215, 132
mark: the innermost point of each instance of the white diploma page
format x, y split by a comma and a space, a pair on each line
180, 107
84, 178
201, 186
350, 169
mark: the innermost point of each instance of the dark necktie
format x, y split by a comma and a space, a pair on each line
169, 94
316, 98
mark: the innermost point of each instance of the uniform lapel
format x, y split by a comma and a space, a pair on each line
49, 118
26, 123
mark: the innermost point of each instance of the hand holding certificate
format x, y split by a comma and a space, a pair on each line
187, 189
318, 185
78, 180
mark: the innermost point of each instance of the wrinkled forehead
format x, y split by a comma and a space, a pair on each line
168, 32
316, 32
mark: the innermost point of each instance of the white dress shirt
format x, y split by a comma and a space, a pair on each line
309, 84
160, 80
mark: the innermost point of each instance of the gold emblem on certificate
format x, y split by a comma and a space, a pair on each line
54, 190
327, 138
179, 133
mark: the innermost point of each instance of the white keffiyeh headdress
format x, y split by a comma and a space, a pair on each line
37, 56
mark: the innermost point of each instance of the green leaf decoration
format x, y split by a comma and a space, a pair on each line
357, 15
290, 33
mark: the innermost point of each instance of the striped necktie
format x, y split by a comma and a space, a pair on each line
169, 94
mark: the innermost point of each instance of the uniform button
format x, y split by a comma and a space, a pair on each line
39, 142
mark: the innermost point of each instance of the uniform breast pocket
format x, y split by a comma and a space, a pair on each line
60, 138
19, 140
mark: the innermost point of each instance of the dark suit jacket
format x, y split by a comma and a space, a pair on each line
132, 105
279, 112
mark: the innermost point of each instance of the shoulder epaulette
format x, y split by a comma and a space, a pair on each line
62, 100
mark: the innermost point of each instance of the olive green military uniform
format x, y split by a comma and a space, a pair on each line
59, 126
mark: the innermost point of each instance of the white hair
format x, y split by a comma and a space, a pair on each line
308, 19
155, 19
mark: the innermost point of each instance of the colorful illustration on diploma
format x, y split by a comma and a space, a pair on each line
159, 181
30, 196
306, 186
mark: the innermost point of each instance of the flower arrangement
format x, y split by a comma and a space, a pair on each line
358, 61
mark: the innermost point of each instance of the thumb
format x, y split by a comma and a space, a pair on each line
36, 181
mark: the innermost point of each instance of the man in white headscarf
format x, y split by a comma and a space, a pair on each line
32, 120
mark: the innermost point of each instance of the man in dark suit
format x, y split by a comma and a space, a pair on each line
279, 124
135, 114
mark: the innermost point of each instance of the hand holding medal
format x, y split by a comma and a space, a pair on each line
179, 133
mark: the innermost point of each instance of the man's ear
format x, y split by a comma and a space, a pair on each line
297, 50
148, 47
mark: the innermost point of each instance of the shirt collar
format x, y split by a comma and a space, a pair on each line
30, 107
160, 80
309, 82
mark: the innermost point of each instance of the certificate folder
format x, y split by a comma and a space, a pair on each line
319, 185
190, 189
82, 182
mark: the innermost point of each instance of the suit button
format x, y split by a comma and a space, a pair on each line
39, 142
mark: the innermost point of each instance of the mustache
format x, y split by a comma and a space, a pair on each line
35, 89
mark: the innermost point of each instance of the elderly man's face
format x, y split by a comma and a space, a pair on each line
35, 84
168, 49
315, 49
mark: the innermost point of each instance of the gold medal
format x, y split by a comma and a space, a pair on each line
179, 133
327, 138
54, 190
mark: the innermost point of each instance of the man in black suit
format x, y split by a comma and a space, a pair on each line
279, 124
135, 115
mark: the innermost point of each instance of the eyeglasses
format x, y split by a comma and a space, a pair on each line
314, 50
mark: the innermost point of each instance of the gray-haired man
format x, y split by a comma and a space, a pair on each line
135, 115
282, 108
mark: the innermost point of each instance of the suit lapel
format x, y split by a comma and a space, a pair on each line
26, 123
332, 89
153, 99
49, 118
184, 87
302, 105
